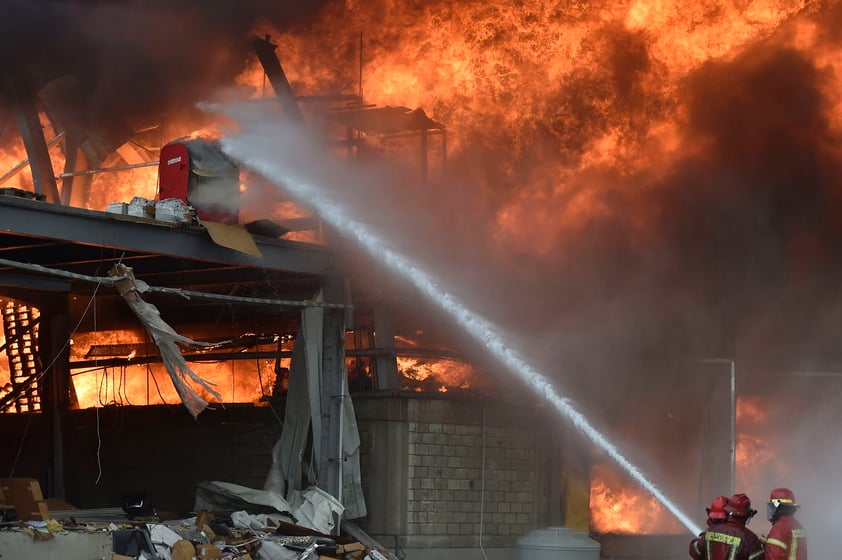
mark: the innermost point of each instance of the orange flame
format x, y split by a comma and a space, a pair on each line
237, 381
567, 87
621, 506
439, 375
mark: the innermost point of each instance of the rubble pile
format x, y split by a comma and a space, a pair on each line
265, 528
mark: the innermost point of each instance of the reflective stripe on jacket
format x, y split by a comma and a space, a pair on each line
787, 540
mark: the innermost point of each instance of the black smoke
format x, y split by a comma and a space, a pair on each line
138, 58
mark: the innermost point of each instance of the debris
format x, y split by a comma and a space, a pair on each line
121, 208
208, 552
210, 535
24, 495
183, 550
312, 508
37, 530
140, 207
225, 497
174, 210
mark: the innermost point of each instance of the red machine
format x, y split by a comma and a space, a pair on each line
198, 173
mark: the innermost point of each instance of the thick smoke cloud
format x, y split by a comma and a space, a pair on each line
137, 58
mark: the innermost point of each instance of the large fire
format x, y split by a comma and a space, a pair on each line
618, 505
561, 101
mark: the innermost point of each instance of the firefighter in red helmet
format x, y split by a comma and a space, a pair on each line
726, 538
739, 508
787, 539
716, 512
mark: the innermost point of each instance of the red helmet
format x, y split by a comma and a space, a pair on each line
717, 508
781, 502
739, 506
782, 496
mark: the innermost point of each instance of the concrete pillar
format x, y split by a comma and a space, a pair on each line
386, 364
53, 335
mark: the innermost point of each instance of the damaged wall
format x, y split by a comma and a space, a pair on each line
160, 450
425, 471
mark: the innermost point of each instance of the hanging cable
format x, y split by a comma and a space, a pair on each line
482, 487
98, 448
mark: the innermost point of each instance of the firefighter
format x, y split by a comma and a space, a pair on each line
787, 539
716, 515
740, 513
727, 537
739, 509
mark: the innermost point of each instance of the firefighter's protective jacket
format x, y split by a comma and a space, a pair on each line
787, 540
727, 541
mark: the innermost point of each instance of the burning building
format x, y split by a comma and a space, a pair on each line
642, 196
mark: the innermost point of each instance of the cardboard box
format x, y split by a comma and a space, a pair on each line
24, 494
350, 547
208, 552
183, 550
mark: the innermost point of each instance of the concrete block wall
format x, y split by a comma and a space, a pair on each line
469, 480
445, 473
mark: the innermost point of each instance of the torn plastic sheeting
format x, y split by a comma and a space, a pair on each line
315, 508
226, 497
258, 521
312, 508
165, 339
270, 550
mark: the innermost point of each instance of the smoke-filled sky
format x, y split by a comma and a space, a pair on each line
136, 58
631, 187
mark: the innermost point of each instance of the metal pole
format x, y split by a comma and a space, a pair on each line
733, 420
733, 424
19, 167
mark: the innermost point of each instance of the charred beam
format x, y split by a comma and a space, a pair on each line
265, 51
32, 132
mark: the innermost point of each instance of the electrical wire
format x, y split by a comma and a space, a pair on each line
98, 448
187, 294
155, 381
98, 434
482, 487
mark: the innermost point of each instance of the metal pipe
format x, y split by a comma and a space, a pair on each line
106, 169
267, 355
733, 424
19, 167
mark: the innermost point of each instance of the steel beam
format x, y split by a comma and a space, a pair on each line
33, 282
32, 133
75, 225
265, 51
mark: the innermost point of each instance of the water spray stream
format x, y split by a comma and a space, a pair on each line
258, 148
